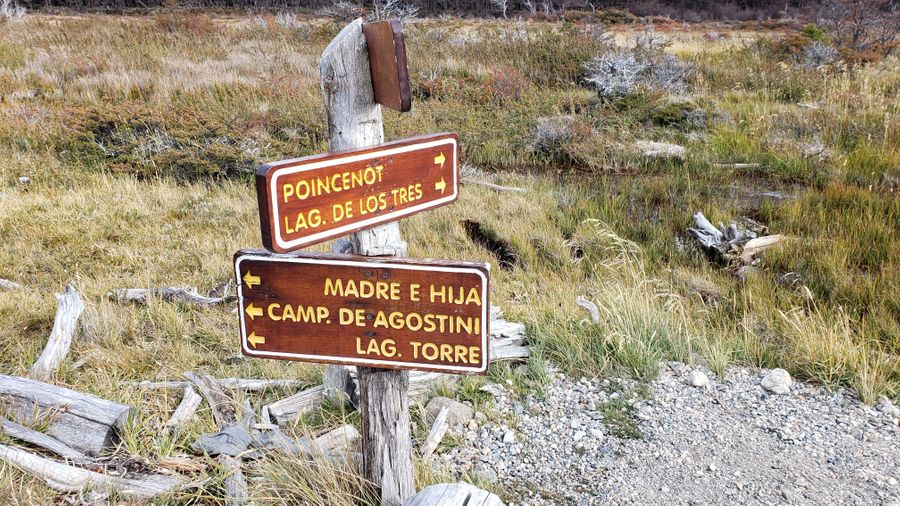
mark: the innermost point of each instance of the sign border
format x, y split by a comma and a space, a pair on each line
352, 260
268, 174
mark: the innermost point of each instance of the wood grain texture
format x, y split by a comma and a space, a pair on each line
387, 60
436, 434
84, 422
454, 494
223, 407
184, 412
291, 408
13, 429
354, 120
386, 441
65, 478
65, 324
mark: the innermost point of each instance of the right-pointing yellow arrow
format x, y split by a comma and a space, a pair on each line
440, 159
251, 280
254, 311
254, 339
440, 186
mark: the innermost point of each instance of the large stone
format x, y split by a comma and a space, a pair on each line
457, 412
660, 149
698, 379
778, 381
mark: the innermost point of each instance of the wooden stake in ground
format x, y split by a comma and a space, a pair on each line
64, 326
354, 121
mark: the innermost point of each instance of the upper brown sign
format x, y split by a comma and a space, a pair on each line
379, 312
387, 64
309, 200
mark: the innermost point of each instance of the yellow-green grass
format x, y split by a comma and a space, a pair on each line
139, 134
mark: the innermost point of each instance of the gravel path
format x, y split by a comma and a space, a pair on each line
595, 442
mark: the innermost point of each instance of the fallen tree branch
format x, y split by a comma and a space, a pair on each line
184, 412
250, 385
235, 483
436, 434
290, 408
221, 405
20, 432
590, 307
7, 285
496, 187
65, 324
66, 478
168, 294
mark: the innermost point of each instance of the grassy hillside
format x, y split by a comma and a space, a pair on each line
138, 136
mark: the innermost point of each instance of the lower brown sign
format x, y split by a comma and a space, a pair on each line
378, 312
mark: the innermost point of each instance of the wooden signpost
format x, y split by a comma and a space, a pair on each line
343, 309
313, 199
371, 308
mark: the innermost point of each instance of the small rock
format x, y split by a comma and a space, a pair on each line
887, 407
459, 412
778, 381
698, 379
578, 436
509, 437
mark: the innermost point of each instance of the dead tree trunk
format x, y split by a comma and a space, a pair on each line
354, 121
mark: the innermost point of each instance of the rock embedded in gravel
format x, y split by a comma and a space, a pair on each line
459, 413
509, 437
777, 381
887, 407
698, 379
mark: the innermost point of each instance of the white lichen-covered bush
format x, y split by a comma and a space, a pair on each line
615, 73
11, 11
342, 10
393, 9
550, 133
643, 64
818, 54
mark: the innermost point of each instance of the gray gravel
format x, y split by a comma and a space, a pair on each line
720, 442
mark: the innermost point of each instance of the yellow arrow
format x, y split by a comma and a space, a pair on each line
251, 280
254, 311
440, 185
440, 159
254, 339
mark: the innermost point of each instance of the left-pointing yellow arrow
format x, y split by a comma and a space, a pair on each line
254, 311
254, 339
251, 280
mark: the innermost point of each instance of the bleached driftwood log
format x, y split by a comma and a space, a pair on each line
184, 412
729, 242
354, 121
224, 411
290, 408
66, 478
222, 406
495, 187
65, 324
183, 295
453, 494
85, 422
20, 432
235, 483
7, 285
337, 440
590, 307
436, 434
249, 385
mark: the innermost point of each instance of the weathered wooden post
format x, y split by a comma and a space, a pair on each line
354, 121
372, 308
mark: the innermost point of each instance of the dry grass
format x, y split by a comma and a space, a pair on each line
137, 135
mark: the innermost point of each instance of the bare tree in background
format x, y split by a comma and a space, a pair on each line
502, 5
393, 9
12, 11
863, 25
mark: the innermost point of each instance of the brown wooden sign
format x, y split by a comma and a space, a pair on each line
387, 63
379, 312
309, 200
